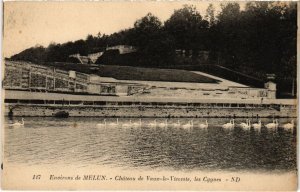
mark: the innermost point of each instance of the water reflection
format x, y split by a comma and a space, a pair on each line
80, 142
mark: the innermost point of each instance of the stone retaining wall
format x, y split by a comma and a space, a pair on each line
146, 111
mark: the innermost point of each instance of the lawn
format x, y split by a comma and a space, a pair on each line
152, 74
137, 73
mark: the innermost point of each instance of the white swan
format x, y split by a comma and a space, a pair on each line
289, 125
203, 126
242, 125
163, 124
127, 125
102, 124
189, 125
139, 124
226, 125
247, 125
152, 124
229, 125
257, 125
176, 125
273, 125
18, 123
114, 124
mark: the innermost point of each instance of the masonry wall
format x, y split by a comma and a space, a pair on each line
146, 111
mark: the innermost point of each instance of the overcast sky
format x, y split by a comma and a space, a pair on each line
28, 24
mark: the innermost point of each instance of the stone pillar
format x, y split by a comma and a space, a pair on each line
271, 86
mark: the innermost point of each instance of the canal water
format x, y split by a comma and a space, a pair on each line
80, 142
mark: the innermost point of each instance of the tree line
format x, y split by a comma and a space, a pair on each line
258, 39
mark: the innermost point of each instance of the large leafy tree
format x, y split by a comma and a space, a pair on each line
146, 29
154, 44
259, 39
33, 54
228, 34
210, 15
187, 28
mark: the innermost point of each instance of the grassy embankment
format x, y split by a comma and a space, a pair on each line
136, 73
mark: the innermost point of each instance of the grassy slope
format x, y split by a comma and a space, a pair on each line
151, 74
137, 73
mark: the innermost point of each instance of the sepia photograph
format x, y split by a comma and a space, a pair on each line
149, 95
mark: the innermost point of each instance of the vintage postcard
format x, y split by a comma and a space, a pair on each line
149, 95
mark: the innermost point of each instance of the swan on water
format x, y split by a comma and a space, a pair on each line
229, 125
152, 124
114, 124
18, 123
273, 125
247, 125
102, 124
257, 125
189, 125
289, 125
203, 126
242, 125
127, 125
163, 124
139, 124
176, 125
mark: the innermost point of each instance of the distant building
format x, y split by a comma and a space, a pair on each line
80, 59
94, 56
201, 55
91, 58
123, 49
